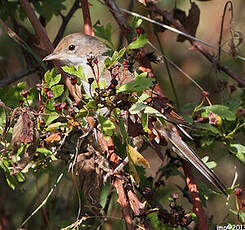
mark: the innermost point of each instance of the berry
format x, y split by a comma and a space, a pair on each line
21, 103
25, 93
114, 81
63, 105
238, 192
46, 89
50, 94
90, 80
139, 30
96, 61
58, 106
73, 80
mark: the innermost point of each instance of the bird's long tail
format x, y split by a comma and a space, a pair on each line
184, 151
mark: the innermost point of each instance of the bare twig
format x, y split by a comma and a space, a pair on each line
17, 76
197, 206
65, 20
87, 26
194, 41
46, 44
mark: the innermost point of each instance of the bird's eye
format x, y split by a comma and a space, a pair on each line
71, 47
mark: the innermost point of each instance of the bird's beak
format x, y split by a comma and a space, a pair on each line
52, 56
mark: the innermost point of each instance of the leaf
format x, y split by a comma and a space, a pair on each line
51, 77
138, 43
50, 118
208, 127
139, 84
137, 158
115, 58
54, 126
44, 151
123, 131
76, 72
210, 164
190, 22
239, 151
241, 217
144, 119
107, 126
57, 90
220, 110
137, 107
53, 137
104, 32
133, 172
150, 110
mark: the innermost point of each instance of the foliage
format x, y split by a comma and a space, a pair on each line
45, 133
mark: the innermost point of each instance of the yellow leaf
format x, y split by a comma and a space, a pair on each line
133, 172
137, 158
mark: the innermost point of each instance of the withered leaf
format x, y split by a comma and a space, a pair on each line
24, 131
53, 137
191, 22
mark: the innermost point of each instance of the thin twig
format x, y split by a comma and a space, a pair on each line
16, 77
65, 21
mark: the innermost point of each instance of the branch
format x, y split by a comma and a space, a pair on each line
87, 26
37, 26
46, 44
122, 200
169, 17
197, 206
65, 20
17, 76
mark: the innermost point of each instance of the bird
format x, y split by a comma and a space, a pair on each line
78, 49
75, 49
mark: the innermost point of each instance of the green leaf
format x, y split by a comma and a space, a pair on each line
139, 84
107, 126
104, 32
50, 118
137, 107
220, 110
138, 43
123, 131
52, 78
236, 213
73, 71
150, 110
210, 164
239, 151
57, 90
115, 58
144, 119
44, 151
208, 127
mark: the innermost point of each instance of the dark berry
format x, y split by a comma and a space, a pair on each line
114, 81
96, 61
73, 80
90, 80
